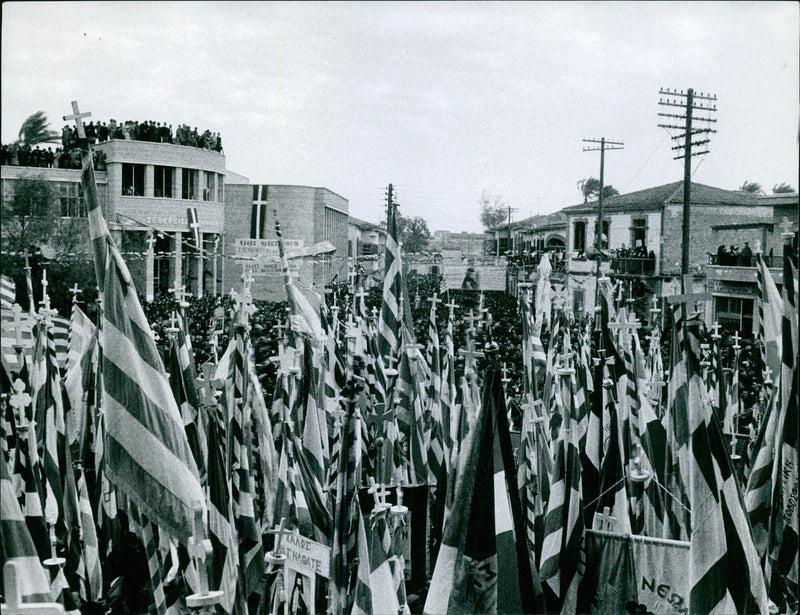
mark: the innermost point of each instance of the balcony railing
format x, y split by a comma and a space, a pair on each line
632, 265
741, 260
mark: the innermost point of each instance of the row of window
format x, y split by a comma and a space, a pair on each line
638, 230
195, 185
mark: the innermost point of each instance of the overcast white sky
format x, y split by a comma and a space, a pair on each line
444, 100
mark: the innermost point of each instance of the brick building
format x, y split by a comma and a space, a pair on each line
312, 221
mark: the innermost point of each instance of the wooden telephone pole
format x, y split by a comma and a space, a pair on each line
686, 102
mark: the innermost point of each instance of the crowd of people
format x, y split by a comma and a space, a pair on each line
68, 155
154, 132
733, 257
58, 158
633, 260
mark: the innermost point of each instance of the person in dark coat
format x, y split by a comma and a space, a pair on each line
747, 255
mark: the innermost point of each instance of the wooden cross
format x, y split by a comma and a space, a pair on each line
469, 353
20, 400
736, 339
17, 326
505, 379
378, 418
388, 365
200, 549
767, 376
715, 331
379, 493
75, 291
44, 283
787, 227
78, 117
413, 351
434, 300
151, 241
471, 320
452, 306
361, 295
207, 381
604, 521
286, 359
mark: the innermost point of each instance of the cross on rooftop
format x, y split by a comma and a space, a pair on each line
78, 117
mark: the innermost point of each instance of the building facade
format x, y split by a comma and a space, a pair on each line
314, 225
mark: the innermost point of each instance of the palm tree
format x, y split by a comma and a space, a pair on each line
751, 187
35, 130
782, 188
590, 187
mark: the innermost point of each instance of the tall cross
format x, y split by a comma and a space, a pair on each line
78, 117
452, 306
75, 291
434, 300
200, 549
736, 339
715, 331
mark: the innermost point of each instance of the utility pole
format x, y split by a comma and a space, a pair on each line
686, 102
598, 230
510, 209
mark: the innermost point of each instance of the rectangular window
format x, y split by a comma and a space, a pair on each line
734, 313
579, 236
606, 233
132, 179
162, 186
189, 188
638, 232
577, 302
210, 188
72, 203
220, 190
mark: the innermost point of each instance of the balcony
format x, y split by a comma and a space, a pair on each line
632, 266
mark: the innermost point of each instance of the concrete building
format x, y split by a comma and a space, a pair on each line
150, 193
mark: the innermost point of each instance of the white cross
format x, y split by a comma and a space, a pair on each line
286, 359
655, 310
767, 376
735, 337
151, 241
787, 226
17, 310
378, 492
75, 291
78, 117
715, 331
200, 548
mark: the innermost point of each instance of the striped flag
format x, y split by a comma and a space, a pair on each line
613, 486
724, 569
563, 557
478, 549
16, 545
375, 590
782, 560
28, 467
25, 325
194, 228
391, 310
346, 511
147, 453
81, 332
770, 316
225, 565
8, 292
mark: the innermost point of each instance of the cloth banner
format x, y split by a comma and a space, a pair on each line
633, 574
